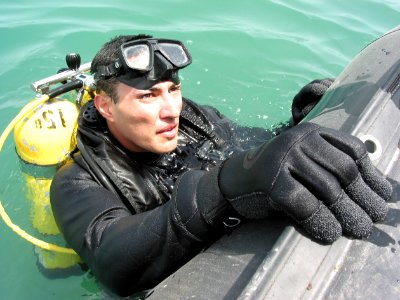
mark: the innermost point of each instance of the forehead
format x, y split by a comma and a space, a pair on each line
122, 87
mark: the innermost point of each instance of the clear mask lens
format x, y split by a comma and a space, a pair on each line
138, 57
174, 53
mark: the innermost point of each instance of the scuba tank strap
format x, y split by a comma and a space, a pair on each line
93, 168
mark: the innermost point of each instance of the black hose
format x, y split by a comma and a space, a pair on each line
94, 169
76, 84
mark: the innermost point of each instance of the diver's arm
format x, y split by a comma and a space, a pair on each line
128, 252
320, 177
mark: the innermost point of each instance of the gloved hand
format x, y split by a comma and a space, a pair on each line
308, 97
322, 178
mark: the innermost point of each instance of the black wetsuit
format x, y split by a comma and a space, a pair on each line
128, 215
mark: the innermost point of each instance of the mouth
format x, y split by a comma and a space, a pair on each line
168, 131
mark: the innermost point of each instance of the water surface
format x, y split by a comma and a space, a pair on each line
249, 60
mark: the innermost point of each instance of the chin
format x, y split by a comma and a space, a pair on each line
167, 147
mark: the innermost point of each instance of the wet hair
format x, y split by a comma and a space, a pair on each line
106, 55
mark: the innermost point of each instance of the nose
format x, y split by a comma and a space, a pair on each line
171, 106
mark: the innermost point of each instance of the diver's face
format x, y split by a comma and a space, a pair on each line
144, 120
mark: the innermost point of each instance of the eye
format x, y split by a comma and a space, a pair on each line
175, 88
145, 96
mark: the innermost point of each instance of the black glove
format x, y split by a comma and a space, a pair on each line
308, 97
322, 178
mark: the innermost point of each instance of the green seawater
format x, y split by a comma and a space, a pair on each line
249, 60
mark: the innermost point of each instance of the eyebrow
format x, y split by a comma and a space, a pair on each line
153, 89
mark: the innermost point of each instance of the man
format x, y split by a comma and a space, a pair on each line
158, 177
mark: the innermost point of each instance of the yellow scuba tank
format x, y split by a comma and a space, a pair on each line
44, 136
43, 141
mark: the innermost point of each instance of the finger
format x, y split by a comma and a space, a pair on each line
327, 82
354, 221
322, 225
345, 142
343, 166
374, 179
344, 159
356, 149
374, 205
299, 203
319, 181
332, 159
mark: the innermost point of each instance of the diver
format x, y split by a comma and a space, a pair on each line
159, 177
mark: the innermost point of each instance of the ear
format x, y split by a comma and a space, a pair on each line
103, 104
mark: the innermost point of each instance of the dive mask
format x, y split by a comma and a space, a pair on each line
145, 62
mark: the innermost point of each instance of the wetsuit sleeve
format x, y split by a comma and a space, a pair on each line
126, 252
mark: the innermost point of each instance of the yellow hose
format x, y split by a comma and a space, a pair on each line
35, 241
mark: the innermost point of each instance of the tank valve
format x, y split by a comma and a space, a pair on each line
73, 61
